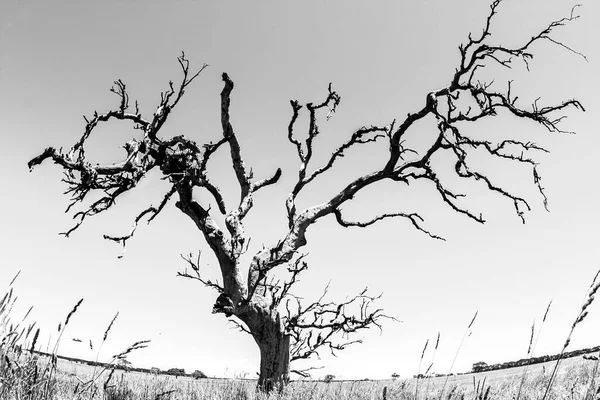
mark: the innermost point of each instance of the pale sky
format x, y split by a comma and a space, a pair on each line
58, 59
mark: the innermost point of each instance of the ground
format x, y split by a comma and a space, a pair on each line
573, 381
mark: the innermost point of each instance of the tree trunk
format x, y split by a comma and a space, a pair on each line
274, 345
274, 361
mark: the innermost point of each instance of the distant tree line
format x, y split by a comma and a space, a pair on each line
483, 367
173, 371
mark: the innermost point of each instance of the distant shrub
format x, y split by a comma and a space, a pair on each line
479, 366
199, 374
328, 378
176, 371
123, 364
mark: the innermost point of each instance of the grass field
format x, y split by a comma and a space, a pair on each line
27, 375
574, 381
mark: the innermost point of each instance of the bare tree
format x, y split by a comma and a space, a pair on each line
285, 328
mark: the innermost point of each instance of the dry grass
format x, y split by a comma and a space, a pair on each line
583, 312
572, 382
24, 375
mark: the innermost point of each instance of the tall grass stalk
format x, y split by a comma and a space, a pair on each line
437, 343
419, 370
50, 369
104, 337
583, 312
19, 373
531, 350
456, 355
91, 385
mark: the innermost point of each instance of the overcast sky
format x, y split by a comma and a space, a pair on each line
58, 59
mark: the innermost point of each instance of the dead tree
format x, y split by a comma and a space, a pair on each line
284, 328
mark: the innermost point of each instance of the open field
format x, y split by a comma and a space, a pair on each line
573, 376
26, 373
573, 382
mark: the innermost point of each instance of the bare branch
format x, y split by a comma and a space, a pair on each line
357, 137
266, 181
404, 164
166, 105
240, 326
241, 172
476, 51
153, 214
313, 129
305, 371
83, 178
414, 218
234, 218
296, 107
195, 265
472, 55
448, 196
256, 301
327, 325
282, 291
305, 150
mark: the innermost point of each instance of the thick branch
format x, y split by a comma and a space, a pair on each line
243, 176
207, 225
305, 150
233, 285
234, 218
82, 177
401, 168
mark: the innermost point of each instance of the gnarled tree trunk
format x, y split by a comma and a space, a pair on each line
274, 360
274, 344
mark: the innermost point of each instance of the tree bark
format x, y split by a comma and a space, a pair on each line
274, 344
274, 361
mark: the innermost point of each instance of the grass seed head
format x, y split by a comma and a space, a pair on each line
73, 311
18, 273
473, 320
108, 329
531, 338
35, 338
424, 348
546, 313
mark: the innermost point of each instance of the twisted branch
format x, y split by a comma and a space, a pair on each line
328, 325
